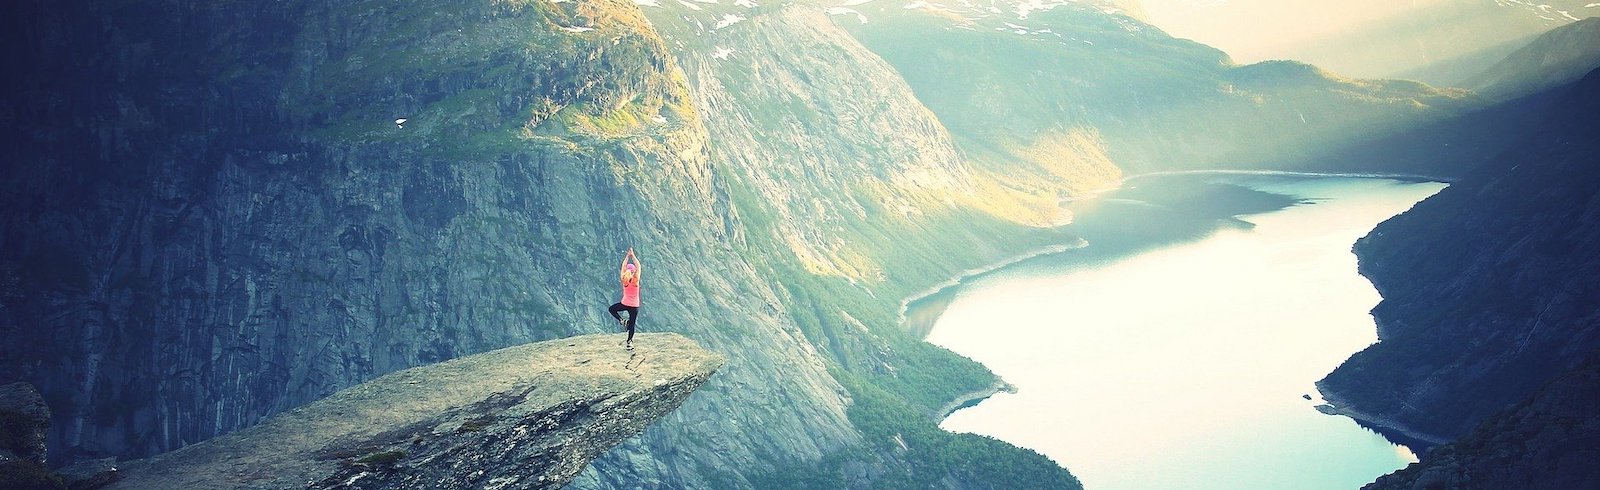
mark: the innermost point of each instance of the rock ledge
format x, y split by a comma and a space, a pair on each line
530, 416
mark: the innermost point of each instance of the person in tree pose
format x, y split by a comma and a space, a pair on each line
629, 274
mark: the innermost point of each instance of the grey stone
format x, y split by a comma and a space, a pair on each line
90, 474
26, 414
530, 416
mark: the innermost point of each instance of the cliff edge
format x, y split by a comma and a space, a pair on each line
530, 416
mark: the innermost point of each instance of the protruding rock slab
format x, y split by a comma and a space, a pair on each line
530, 416
24, 419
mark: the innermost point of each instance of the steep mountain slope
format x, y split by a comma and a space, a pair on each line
854, 197
220, 221
1556, 58
1488, 286
215, 218
1544, 442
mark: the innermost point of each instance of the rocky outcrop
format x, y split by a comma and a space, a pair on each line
1488, 287
1550, 441
530, 416
24, 420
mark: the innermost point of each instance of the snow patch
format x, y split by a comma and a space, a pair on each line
690, 6
721, 53
847, 11
727, 20
648, 3
576, 28
1028, 7
749, 4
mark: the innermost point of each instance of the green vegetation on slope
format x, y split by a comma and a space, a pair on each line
594, 72
898, 383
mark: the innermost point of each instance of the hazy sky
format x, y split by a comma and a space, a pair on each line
1254, 30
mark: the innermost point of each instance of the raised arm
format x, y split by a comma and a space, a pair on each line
638, 267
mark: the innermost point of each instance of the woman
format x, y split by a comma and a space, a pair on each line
630, 293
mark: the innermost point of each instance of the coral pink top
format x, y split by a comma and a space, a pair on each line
630, 293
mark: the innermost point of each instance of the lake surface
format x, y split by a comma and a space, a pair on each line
1174, 350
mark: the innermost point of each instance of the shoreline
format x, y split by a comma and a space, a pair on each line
973, 398
1389, 429
943, 286
963, 275
1287, 173
1418, 442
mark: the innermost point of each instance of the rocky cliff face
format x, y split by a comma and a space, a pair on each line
530, 416
218, 219
1488, 286
24, 419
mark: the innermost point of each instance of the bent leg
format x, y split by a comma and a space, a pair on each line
616, 307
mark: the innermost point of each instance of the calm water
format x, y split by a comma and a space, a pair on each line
1183, 364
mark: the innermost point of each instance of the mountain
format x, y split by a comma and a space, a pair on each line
1487, 285
1514, 96
1433, 41
217, 218
1081, 82
1546, 441
216, 214
1556, 58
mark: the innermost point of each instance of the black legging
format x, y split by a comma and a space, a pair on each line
633, 315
